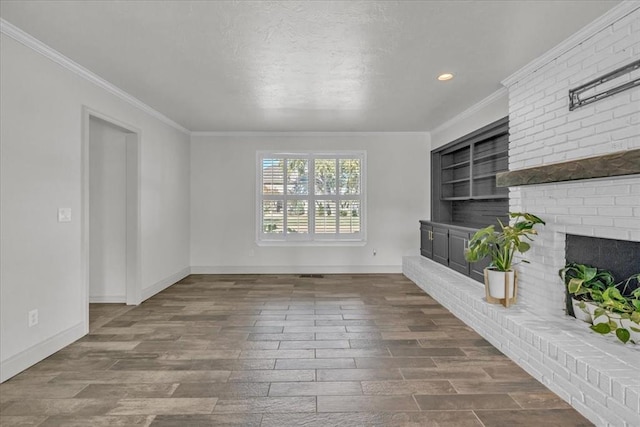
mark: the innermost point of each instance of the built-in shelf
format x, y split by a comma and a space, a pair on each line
491, 197
456, 165
464, 177
608, 165
453, 181
503, 153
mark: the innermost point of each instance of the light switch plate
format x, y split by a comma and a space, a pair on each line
64, 215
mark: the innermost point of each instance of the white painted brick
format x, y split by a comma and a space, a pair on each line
599, 201
632, 398
597, 221
611, 233
627, 132
617, 211
620, 104
630, 223
581, 133
634, 235
573, 124
597, 118
533, 162
628, 200
561, 103
630, 417
615, 189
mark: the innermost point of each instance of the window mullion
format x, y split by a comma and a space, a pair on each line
285, 213
312, 197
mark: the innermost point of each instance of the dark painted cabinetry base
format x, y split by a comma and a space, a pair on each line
445, 243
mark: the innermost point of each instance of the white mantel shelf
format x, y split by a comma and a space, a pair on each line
597, 375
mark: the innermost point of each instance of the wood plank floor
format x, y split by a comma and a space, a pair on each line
254, 350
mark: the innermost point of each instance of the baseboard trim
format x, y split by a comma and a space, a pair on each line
165, 283
298, 269
32, 355
108, 299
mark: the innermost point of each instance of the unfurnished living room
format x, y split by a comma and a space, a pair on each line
320, 213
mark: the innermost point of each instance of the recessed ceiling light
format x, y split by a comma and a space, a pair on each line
444, 77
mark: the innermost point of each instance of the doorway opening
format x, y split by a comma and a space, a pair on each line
110, 217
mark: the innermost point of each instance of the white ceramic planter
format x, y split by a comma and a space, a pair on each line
581, 313
496, 281
591, 307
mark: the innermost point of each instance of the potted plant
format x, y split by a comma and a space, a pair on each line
619, 311
610, 308
585, 285
500, 278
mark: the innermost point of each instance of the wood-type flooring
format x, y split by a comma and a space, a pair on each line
281, 350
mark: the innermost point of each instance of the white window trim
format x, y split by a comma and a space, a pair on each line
311, 239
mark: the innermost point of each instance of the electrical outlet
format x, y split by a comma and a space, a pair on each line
375, 252
33, 318
64, 215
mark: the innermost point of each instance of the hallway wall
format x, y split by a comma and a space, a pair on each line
41, 171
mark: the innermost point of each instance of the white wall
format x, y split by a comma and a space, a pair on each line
492, 108
223, 179
108, 212
543, 130
41, 132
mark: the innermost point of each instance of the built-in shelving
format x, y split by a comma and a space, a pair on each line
464, 177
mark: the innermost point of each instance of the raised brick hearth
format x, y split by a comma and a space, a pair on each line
599, 376
596, 375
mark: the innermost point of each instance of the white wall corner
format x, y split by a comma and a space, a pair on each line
107, 299
28, 40
32, 355
163, 284
478, 106
615, 14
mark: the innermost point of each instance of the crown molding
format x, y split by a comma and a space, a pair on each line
616, 13
301, 133
495, 96
28, 40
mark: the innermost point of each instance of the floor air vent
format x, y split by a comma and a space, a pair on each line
312, 276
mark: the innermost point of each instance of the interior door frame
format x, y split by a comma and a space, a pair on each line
133, 192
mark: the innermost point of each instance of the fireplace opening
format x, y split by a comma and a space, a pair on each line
620, 257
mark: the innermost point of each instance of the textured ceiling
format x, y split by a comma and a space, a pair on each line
304, 66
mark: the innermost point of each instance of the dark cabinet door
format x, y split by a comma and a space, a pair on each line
426, 240
441, 245
457, 243
477, 269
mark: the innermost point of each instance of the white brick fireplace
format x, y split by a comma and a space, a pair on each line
597, 375
543, 130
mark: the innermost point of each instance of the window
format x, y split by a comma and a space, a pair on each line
311, 197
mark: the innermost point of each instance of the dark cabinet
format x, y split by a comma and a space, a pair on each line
464, 196
445, 244
477, 269
426, 239
441, 245
457, 243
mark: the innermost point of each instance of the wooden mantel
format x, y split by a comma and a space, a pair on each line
607, 165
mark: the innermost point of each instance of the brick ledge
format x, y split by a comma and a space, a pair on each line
594, 374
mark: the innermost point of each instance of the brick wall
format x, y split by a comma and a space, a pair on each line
597, 375
543, 131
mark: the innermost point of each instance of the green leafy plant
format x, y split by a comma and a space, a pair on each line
585, 282
501, 246
620, 303
617, 303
